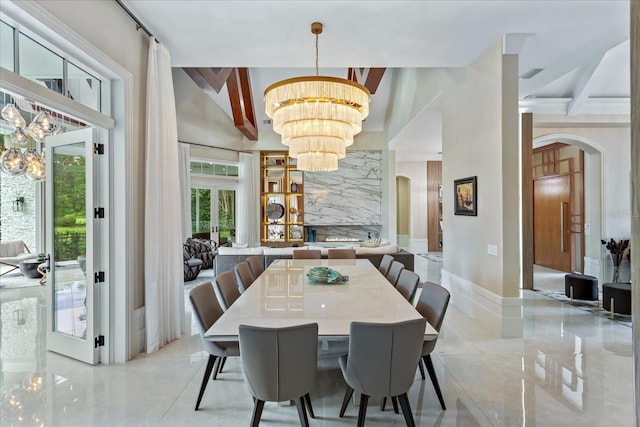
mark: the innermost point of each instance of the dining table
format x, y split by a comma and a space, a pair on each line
283, 295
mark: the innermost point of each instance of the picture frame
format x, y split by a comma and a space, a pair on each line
465, 198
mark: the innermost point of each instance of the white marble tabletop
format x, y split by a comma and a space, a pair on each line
283, 296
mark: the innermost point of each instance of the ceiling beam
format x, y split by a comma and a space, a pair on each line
583, 87
209, 79
367, 77
244, 116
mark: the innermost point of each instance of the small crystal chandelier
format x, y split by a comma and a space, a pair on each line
317, 116
30, 163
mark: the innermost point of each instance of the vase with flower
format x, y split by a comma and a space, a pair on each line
619, 251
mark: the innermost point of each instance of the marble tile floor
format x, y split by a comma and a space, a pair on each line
570, 369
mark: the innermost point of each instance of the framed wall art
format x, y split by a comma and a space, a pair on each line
465, 196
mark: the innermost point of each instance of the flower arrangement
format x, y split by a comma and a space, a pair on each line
619, 251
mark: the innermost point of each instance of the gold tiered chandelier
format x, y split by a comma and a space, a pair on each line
317, 116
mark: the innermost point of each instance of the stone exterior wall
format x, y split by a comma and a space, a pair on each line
18, 225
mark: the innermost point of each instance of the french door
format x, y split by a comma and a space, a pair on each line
213, 213
75, 234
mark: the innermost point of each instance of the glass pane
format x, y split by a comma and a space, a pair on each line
227, 215
221, 170
196, 167
6, 46
207, 169
232, 171
70, 239
39, 64
201, 212
83, 87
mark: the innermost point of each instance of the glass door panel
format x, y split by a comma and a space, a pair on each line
214, 217
226, 216
201, 213
71, 319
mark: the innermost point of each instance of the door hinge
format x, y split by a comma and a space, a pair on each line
99, 341
98, 213
98, 148
98, 277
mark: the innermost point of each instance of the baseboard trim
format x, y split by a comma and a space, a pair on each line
503, 314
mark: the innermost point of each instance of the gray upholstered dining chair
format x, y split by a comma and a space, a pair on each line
407, 284
207, 311
432, 305
244, 277
341, 253
279, 365
394, 272
256, 265
226, 289
381, 362
307, 254
385, 263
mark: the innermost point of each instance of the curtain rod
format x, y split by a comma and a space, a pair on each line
139, 25
216, 148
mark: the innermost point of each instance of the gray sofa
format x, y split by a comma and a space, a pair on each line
226, 262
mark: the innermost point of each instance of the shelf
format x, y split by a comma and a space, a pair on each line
282, 199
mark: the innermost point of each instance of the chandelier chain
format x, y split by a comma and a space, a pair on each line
316, 54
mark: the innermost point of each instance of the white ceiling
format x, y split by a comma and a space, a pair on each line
582, 47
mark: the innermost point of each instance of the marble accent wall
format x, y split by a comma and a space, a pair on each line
352, 195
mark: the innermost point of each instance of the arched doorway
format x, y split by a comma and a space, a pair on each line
567, 203
403, 211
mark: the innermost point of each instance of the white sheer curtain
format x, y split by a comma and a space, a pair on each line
185, 189
164, 290
247, 197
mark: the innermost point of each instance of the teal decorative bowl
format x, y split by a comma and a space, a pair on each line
324, 275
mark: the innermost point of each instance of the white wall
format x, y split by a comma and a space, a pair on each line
481, 138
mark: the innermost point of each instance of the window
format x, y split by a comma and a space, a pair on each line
213, 169
6, 46
39, 64
42, 65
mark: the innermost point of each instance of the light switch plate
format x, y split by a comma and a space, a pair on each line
492, 250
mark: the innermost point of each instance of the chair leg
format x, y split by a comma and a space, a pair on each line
257, 412
394, 400
406, 410
205, 379
420, 363
222, 362
347, 395
302, 413
362, 413
307, 400
15, 267
383, 403
216, 369
434, 379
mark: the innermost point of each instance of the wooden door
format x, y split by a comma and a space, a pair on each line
551, 215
